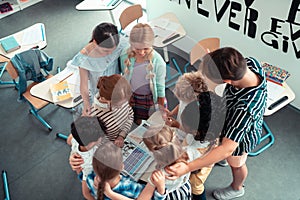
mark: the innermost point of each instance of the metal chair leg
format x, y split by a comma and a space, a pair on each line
269, 135
5, 185
172, 77
34, 111
1, 73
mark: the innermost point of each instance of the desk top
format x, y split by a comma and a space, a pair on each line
285, 95
42, 90
169, 22
32, 36
98, 5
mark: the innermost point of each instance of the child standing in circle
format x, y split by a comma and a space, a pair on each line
114, 185
98, 58
145, 69
111, 106
86, 134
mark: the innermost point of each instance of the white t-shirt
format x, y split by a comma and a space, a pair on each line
87, 156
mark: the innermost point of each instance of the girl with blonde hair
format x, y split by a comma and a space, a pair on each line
145, 69
167, 150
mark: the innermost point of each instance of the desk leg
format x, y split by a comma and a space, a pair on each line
112, 17
166, 56
178, 72
269, 135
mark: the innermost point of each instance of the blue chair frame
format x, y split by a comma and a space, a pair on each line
268, 135
198, 51
2, 69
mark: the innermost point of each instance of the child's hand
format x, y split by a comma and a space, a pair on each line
119, 141
158, 179
75, 161
170, 121
96, 182
86, 109
107, 189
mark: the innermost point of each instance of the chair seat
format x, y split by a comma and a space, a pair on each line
36, 102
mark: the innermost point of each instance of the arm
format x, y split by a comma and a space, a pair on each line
75, 162
125, 128
219, 153
69, 139
86, 192
160, 75
146, 193
174, 111
84, 91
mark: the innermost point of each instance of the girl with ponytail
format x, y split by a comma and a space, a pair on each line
111, 184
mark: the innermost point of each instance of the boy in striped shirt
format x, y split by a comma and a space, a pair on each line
245, 94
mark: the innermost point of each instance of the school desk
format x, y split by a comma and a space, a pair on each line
99, 5
42, 90
167, 29
33, 36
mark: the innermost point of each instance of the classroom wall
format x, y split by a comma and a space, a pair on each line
266, 30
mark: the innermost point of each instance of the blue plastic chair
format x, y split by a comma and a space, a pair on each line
35, 104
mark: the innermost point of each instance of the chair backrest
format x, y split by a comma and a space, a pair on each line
12, 70
130, 14
203, 47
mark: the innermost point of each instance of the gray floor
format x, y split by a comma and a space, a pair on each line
37, 162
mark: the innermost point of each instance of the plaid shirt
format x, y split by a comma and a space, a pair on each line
127, 187
245, 110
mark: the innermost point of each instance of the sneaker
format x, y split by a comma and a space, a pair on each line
222, 163
228, 193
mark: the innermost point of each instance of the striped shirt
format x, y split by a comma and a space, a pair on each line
117, 120
245, 110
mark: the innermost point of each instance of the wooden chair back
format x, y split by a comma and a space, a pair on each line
130, 14
203, 47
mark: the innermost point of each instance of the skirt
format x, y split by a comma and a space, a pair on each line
142, 105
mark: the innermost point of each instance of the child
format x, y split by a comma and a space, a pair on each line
86, 133
207, 139
167, 150
145, 69
245, 94
187, 88
98, 58
112, 184
112, 108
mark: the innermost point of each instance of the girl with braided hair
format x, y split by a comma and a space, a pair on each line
145, 69
111, 184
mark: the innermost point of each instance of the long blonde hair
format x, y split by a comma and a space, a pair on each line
161, 140
141, 34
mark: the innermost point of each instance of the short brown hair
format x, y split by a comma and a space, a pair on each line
225, 63
114, 88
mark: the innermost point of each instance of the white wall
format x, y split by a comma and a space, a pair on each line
198, 27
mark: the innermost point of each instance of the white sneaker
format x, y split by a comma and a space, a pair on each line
228, 193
